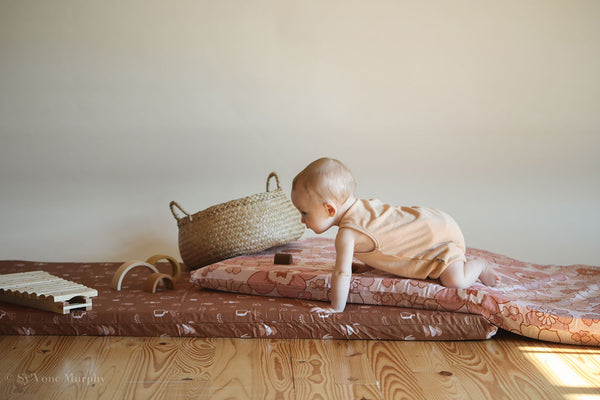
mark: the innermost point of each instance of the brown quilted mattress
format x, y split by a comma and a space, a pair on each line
189, 311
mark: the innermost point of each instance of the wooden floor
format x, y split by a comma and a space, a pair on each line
506, 367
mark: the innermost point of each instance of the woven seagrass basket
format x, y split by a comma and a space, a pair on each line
238, 227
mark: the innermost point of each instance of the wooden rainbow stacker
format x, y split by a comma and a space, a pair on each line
44, 291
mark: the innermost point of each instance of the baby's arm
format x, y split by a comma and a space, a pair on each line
342, 272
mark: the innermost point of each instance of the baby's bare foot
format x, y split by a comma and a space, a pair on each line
489, 276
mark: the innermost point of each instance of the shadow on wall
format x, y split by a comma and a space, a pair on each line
138, 241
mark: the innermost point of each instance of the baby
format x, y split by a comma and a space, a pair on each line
412, 242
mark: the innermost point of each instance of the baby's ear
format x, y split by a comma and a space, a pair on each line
330, 208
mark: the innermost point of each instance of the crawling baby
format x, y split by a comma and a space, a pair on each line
411, 242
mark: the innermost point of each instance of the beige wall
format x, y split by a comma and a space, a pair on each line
110, 109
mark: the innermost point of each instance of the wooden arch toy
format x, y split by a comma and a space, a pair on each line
175, 267
150, 264
153, 280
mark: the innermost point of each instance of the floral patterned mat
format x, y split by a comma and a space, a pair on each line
546, 302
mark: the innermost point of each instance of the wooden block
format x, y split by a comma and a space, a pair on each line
283, 259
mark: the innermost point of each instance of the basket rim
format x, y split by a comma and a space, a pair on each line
243, 201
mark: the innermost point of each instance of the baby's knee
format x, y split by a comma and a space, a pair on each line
452, 281
454, 276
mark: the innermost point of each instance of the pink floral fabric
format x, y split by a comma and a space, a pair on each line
546, 302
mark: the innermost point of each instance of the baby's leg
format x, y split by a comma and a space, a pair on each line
462, 275
489, 276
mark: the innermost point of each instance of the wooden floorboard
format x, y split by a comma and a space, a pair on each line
506, 367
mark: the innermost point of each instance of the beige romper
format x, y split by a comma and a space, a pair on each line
412, 242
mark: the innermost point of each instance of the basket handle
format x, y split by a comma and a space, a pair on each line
174, 204
271, 175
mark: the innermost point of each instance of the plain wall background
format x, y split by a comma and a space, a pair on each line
110, 109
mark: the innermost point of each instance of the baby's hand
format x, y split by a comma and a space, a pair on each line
324, 310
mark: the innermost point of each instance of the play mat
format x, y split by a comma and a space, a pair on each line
190, 311
546, 302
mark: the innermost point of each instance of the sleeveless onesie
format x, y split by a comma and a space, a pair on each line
412, 242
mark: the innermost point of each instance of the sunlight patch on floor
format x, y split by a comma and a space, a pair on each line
576, 371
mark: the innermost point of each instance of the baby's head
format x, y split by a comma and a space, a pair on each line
320, 190
326, 178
